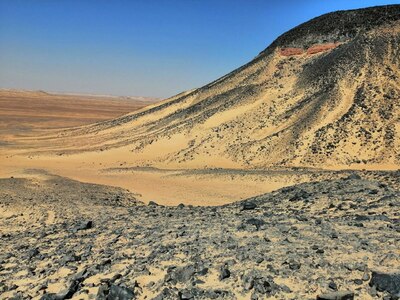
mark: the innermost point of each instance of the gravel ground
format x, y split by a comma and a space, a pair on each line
63, 239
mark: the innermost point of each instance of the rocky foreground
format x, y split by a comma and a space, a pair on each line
334, 239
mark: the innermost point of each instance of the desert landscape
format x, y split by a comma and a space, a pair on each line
25, 112
279, 180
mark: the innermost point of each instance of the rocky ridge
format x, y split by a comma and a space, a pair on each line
334, 239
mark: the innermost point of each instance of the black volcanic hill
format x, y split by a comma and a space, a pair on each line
337, 26
324, 94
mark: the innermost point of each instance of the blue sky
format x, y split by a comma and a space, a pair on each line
143, 47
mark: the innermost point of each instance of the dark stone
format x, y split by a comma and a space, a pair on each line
366, 277
256, 222
248, 282
332, 285
102, 292
285, 289
203, 271
50, 296
265, 286
165, 294
300, 195
347, 295
114, 292
72, 289
85, 225
152, 203
386, 282
334, 235
185, 295
70, 258
67, 294
33, 252
105, 262
353, 176
181, 274
224, 273
248, 205
120, 293
259, 260
294, 265
359, 218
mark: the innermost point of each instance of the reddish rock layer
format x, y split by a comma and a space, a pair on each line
321, 48
291, 51
317, 48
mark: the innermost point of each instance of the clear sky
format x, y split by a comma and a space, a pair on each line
141, 47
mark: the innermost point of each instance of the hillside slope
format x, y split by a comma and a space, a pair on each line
325, 94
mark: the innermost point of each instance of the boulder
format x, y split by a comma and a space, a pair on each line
248, 205
386, 282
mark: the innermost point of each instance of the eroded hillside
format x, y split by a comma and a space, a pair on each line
325, 94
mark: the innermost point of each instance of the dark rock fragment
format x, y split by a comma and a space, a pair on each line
165, 294
294, 265
386, 282
180, 274
300, 195
185, 295
114, 292
256, 222
224, 273
265, 286
120, 293
248, 205
70, 291
33, 252
332, 285
353, 176
84, 225
366, 277
344, 295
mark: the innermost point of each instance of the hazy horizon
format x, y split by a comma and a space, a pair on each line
139, 48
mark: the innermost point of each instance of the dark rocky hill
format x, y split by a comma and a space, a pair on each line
324, 94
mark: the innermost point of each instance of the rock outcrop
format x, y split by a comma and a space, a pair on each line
314, 240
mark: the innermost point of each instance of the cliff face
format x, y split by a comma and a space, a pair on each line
325, 94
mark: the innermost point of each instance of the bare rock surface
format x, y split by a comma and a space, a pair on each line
333, 239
